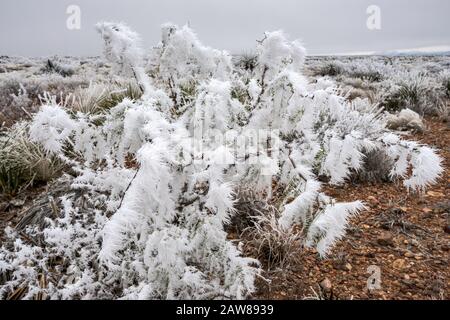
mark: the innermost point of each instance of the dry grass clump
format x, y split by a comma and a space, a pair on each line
273, 245
22, 162
100, 97
331, 69
376, 168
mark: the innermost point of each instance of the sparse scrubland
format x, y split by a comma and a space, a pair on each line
182, 172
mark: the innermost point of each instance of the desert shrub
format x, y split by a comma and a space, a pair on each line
405, 120
445, 79
331, 69
416, 92
447, 87
247, 61
160, 172
374, 71
53, 67
372, 76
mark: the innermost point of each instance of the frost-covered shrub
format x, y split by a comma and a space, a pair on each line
161, 172
372, 72
356, 68
445, 78
63, 70
332, 69
247, 61
412, 91
395, 83
447, 87
405, 120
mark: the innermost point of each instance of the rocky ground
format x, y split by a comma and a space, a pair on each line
405, 235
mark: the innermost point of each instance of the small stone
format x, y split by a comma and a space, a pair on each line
326, 285
385, 239
427, 210
418, 257
399, 264
407, 277
409, 254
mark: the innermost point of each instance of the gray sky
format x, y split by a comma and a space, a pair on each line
38, 28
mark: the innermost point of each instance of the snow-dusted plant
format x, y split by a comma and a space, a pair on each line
161, 171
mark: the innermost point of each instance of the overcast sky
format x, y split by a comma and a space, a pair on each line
38, 27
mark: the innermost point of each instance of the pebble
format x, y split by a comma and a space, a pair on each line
326, 285
386, 239
399, 264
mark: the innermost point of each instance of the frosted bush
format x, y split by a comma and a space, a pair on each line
405, 120
413, 90
51, 127
395, 83
160, 172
